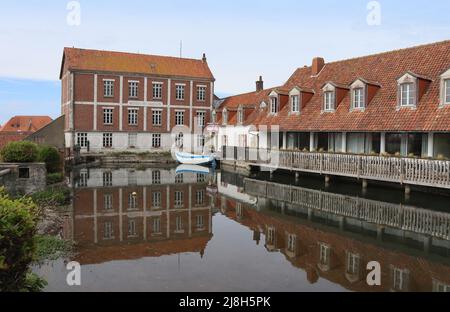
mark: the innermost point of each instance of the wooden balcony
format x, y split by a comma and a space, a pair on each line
407, 171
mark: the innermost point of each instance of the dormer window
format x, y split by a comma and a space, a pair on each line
447, 91
408, 94
240, 116
445, 88
329, 100
273, 105
358, 98
225, 116
411, 88
295, 103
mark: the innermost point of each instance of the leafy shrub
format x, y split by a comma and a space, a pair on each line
19, 152
18, 219
52, 197
51, 248
54, 178
50, 156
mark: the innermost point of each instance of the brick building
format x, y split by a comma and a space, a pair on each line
19, 127
115, 101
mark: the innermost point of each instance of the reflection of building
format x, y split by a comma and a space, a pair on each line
119, 214
338, 249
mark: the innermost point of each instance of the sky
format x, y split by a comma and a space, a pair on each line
242, 39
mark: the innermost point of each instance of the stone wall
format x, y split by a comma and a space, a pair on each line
23, 178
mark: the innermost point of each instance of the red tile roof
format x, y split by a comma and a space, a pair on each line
120, 62
431, 61
25, 124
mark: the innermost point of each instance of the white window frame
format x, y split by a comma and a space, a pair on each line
82, 139
274, 105
108, 202
156, 177
200, 221
107, 179
179, 224
157, 90
399, 276
157, 117
107, 140
180, 92
132, 228
201, 93
108, 88
201, 140
201, 118
108, 116
359, 101
132, 202
353, 263
271, 235
225, 116
240, 116
108, 230
156, 200
329, 101
178, 199
132, 140
295, 104
324, 256
292, 242
179, 118
133, 114
156, 229
408, 97
439, 286
199, 197
179, 178
133, 88
83, 179
156, 140
214, 117
447, 91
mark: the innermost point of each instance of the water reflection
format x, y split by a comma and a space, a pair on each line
151, 229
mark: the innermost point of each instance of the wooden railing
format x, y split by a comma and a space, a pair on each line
417, 220
424, 172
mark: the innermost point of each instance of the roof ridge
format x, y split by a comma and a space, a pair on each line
392, 51
135, 53
425, 45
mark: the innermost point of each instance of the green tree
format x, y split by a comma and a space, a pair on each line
50, 156
18, 220
19, 152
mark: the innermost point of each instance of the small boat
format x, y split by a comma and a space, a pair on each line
191, 159
192, 169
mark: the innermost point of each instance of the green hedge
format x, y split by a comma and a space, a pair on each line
50, 156
19, 152
54, 178
18, 220
52, 197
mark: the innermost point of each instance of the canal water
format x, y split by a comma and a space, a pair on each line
169, 229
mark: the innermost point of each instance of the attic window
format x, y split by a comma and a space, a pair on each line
408, 94
240, 116
295, 103
329, 100
447, 91
273, 105
358, 98
225, 117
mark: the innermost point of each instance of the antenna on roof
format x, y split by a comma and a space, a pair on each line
181, 48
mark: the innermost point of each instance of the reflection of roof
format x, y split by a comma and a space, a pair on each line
307, 255
108, 61
100, 254
25, 123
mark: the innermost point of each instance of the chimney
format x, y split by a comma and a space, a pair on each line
317, 65
260, 84
204, 58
